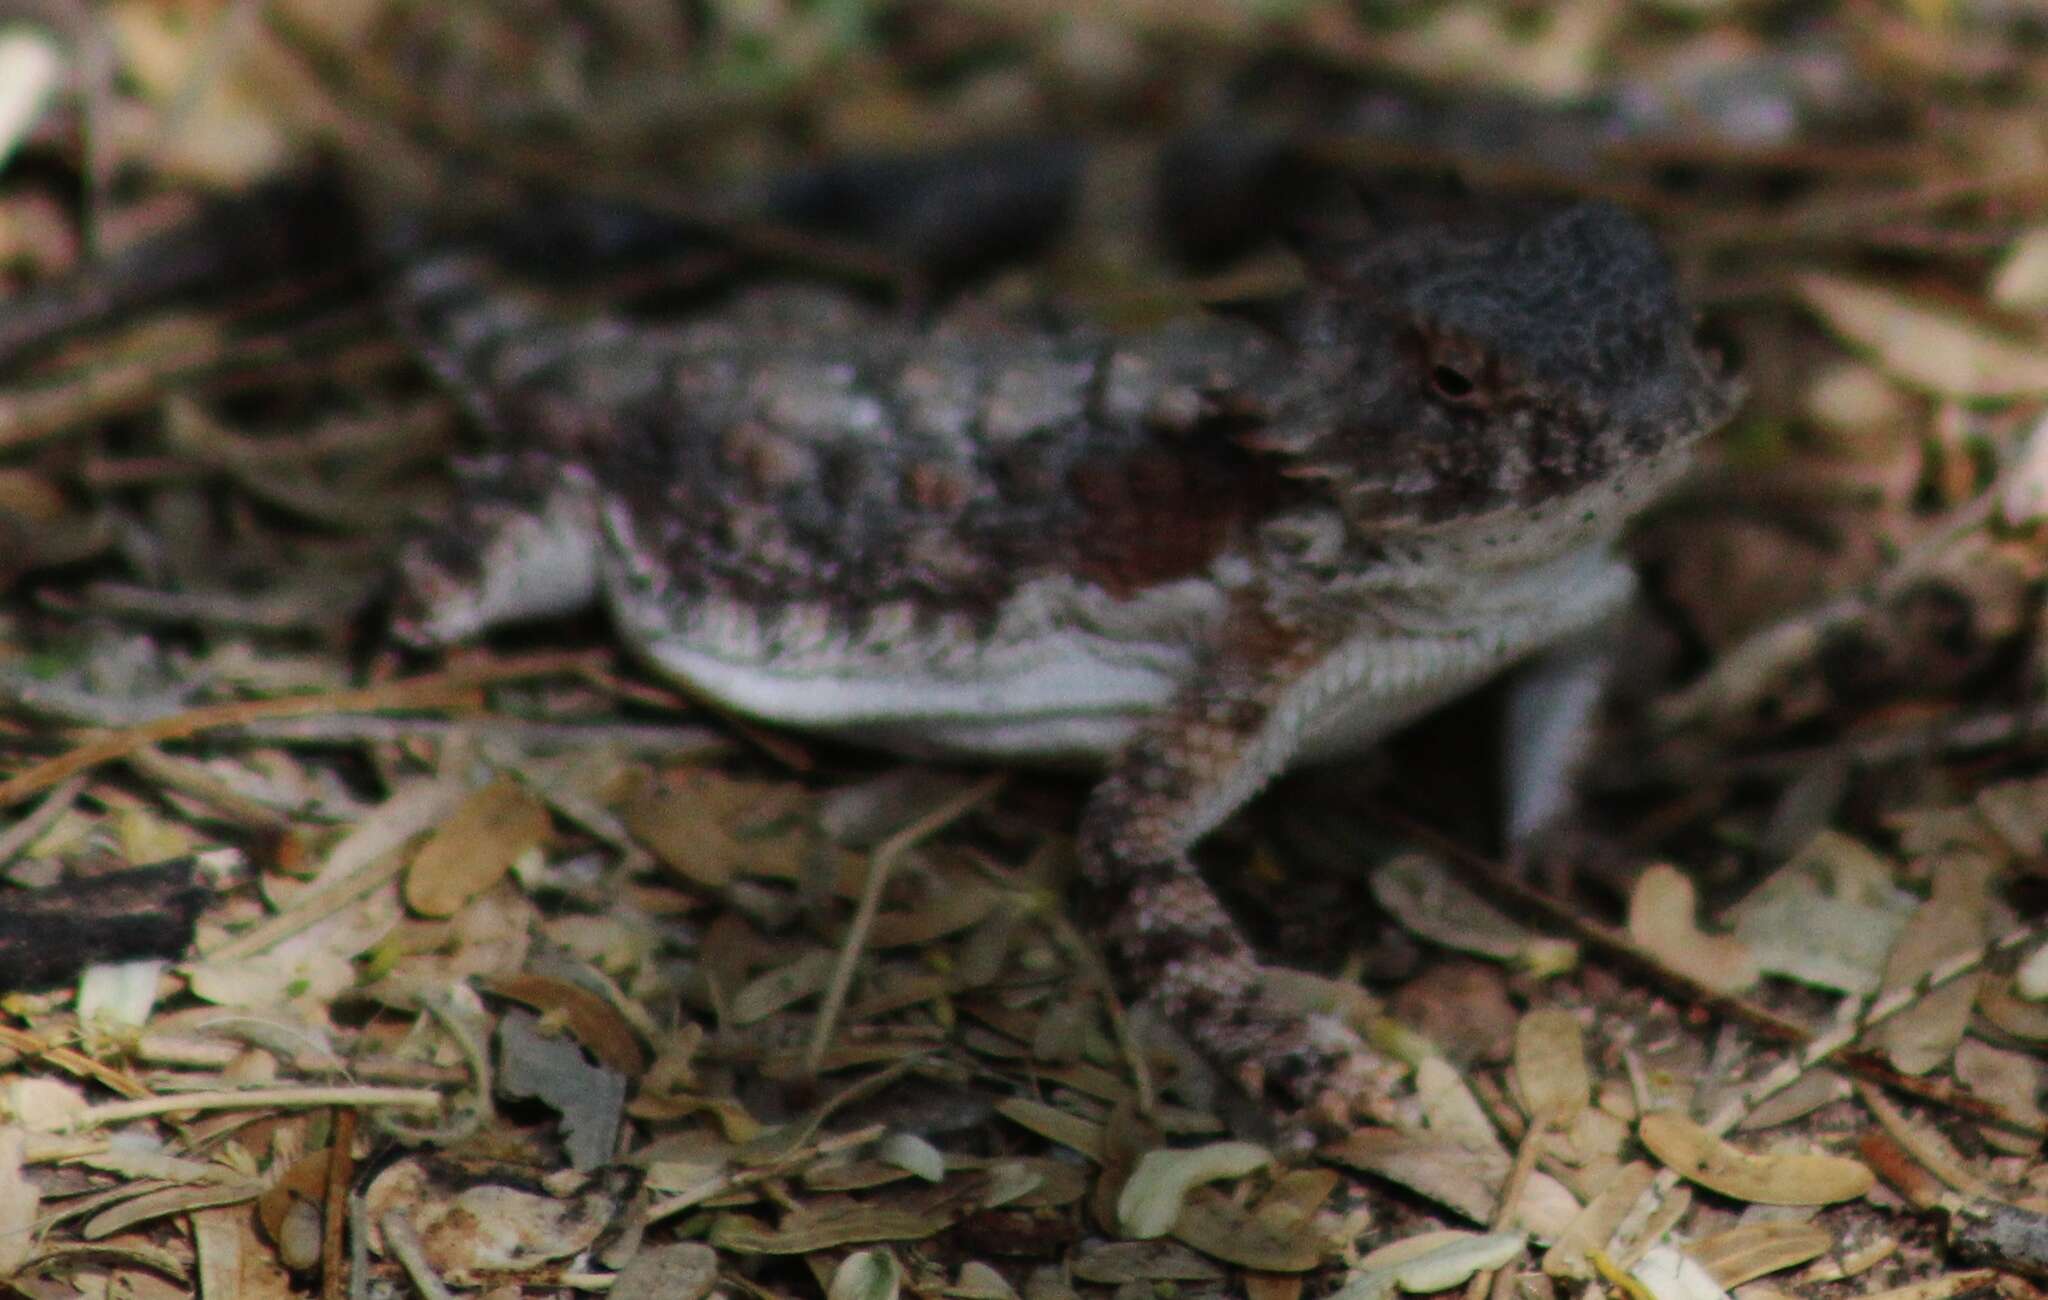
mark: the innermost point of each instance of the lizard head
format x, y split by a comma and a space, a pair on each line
1452, 376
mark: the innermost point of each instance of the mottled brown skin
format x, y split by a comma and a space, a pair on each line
1403, 482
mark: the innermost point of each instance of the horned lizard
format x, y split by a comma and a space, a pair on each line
1196, 555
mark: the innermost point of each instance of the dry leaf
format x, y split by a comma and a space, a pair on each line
1660, 920
595, 1022
1551, 1078
2009, 1080
31, 69
825, 1223
19, 1201
1224, 1227
471, 1229
1748, 1252
1452, 1112
589, 1098
681, 1270
1930, 348
1054, 1125
1151, 1197
1429, 901
708, 827
474, 848
2021, 281
1116, 1263
866, 1275
1435, 1167
1827, 917
1433, 1261
305, 1181
1690, 1151
1950, 923
1593, 1227
781, 987
1668, 1274
2018, 810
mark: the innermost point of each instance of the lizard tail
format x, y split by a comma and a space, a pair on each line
473, 331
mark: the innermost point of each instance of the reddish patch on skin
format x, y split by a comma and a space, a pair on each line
1162, 513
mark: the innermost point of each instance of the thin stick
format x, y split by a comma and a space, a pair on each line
115, 1112
341, 1167
448, 689
412, 1256
879, 867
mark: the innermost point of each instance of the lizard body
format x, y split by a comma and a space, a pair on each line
1197, 555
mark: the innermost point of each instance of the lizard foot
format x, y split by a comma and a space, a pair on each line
1317, 1078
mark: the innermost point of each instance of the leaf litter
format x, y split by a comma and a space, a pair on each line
626, 996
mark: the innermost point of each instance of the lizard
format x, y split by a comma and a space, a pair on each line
1193, 556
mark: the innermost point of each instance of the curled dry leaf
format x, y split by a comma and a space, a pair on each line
552, 1070
914, 1155
1937, 350
1432, 1261
474, 848
1660, 920
1999, 1002
1689, 1150
1152, 1196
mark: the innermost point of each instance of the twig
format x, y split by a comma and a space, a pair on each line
649, 740
193, 780
341, 1167
115, 1112
1813, 1047
447, 690
405, 1247
879, 866
1746, 671
30, 828
723, 1183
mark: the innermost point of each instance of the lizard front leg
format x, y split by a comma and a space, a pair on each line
1228, 732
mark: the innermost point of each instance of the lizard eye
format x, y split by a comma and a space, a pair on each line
1454, 370
1451, 383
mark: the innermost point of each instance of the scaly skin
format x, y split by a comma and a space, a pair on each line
1198, 555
